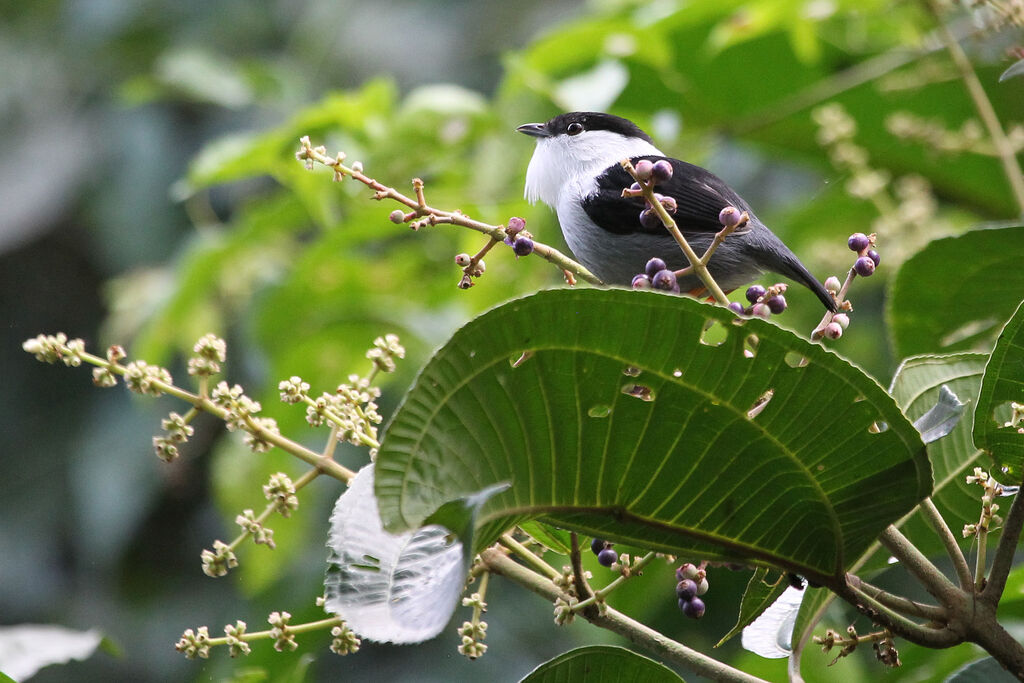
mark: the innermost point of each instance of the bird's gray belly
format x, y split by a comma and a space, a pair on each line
616, 259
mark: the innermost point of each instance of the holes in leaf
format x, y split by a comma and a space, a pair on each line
795, 360
714, 333
750, 343
1008, 414
877, 427
677, 373
640, 391
760, 404
516, 361
630, 371
369, 564
600, 410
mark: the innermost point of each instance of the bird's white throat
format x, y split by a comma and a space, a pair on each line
566, 160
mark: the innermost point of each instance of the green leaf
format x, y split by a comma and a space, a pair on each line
600, 664
916, 388
554, 539
758, 597
1003, 384
660, 440
979, 269
985, 670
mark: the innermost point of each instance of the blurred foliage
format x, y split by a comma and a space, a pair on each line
105, 107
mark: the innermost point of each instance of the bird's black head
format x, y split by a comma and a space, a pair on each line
575, 122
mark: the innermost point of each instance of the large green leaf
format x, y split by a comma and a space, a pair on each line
602, 664
979, 270
916, 389
1003, 384
624, 420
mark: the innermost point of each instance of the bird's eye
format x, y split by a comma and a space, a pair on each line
574, 128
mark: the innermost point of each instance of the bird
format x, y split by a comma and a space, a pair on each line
576, 170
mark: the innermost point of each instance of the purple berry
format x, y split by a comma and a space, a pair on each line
462, 260
858, 242
755, 292
874, 256
607, 557
641, 281
736, 307
842, 319
653, 266
864, 266
515, 226
776, 304
597, 545
692, 608
665, 279
833, 330
661, 171
728, 216
702, 586
650, 220
397, 216
686, 589
635, 187
523, 246
644, 168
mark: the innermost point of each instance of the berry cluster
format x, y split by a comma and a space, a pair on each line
650, 173
692, 582
763, 301
867, 257
657, 275
522, 245
603, 549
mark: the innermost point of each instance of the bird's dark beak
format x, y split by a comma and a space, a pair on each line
535, 130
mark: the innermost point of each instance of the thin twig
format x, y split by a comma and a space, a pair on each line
524, 553
901, 604
942, 530
612, 620
920, 566
421, 208
1002, 560
987, 113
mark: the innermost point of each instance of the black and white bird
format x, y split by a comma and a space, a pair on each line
576, 170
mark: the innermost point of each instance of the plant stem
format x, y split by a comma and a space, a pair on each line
979, 562
899, 603
583, 590
203, 403
920, 566
639, 634
421, 208
986, 111
963, 572
601, 594
528, 557
1003, 559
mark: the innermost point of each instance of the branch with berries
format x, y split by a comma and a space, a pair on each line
421, 214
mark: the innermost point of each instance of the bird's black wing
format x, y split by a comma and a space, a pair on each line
699, 194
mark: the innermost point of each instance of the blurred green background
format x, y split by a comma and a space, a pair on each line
150, 194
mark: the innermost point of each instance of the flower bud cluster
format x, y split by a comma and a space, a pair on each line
281, 492
252, 526
384, 352
178, 430
233, 635
143, 378
241, 414
218, 561
283, 637
992, 489
473, 634
344, 640
195, 643
210, 351
56, 347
